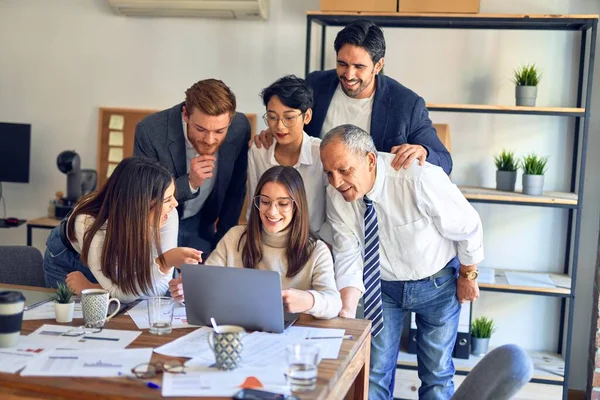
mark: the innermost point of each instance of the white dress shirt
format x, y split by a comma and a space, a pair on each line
310, 168
423, 218
160, 280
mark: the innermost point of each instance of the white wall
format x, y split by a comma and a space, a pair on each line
61, 60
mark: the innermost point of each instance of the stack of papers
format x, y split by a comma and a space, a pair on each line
14, 358
46, 311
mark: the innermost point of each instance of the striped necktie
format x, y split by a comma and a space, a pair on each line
371, 273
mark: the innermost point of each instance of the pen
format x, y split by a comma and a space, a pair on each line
101, 338
345, 337
148, 384
39, 303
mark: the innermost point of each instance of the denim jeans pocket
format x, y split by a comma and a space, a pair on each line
54, 244
443, 281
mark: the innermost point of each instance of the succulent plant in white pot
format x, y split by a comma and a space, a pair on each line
526, 79
64, 304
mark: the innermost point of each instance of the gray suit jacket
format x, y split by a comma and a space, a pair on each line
160, 137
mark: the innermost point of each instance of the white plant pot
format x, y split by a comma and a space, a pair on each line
64, 312
525, 95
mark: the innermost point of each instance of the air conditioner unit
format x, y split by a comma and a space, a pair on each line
235, 9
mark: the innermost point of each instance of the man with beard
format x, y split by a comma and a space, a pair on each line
355, 93
203, 142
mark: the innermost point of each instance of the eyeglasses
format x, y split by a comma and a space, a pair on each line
150, 370
282, 204
273, 120
80, 331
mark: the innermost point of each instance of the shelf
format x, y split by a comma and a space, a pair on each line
497, 109
546, 22
548, 199
548, 367
562, 282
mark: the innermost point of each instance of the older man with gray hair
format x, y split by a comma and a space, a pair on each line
406, 241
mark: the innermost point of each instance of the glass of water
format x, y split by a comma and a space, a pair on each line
160, 315
302, 361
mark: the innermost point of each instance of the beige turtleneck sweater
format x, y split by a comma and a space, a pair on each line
317, 276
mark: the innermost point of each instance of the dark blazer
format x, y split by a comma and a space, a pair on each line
399, 116
160, 137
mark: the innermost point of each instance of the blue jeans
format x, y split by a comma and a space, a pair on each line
60, 261
437, 310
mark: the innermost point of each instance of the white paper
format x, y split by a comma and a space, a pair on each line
215, 383
115, 154
87, 363
14, 358
116, 122
115, 138
105, 339
529, 279
139, 315
46, 311
329, 348
194, 344
486, 275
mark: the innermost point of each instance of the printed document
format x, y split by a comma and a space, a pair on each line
87, 363
12, 359
70, 337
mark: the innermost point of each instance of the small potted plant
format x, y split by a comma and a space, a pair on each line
526, 79
481, 332
534, 168
64, 305
506, 175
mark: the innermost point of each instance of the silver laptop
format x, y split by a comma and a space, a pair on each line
234, 296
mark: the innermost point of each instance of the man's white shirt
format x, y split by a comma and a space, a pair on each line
347, 110
310, 168
423, 218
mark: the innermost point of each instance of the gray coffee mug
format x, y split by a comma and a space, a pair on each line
11, 317
94, 305
227, 346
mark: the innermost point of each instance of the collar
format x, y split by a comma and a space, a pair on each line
188, 144
376, 192
306, 156
277, 240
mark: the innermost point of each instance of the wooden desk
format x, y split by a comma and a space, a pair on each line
347, 377
42, 223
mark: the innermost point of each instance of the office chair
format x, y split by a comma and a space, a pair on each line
21, 265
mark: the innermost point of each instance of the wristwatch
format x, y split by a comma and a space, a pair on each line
469, 275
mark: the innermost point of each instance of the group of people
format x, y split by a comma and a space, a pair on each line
348, 199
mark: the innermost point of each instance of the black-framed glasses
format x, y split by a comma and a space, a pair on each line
150, 370
288, 121
282, 204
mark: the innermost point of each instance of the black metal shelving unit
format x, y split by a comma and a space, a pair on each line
587, 25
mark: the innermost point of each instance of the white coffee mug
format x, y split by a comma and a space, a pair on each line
94, 305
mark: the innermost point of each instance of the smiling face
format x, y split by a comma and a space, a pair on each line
206, 132
356, 71
352, 175
275, 206
169, 203
286, 123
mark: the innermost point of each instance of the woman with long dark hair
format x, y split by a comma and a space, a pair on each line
278, 238
121, 238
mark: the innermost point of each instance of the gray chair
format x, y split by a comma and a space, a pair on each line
21, 265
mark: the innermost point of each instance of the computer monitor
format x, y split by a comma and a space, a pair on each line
15, 149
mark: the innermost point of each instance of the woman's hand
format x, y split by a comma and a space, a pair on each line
78, 282
176, 289
180, 255
297, 301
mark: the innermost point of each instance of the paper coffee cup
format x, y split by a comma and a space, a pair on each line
11, 317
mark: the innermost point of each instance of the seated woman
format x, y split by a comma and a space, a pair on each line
121, 238
288, 102
277, 238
